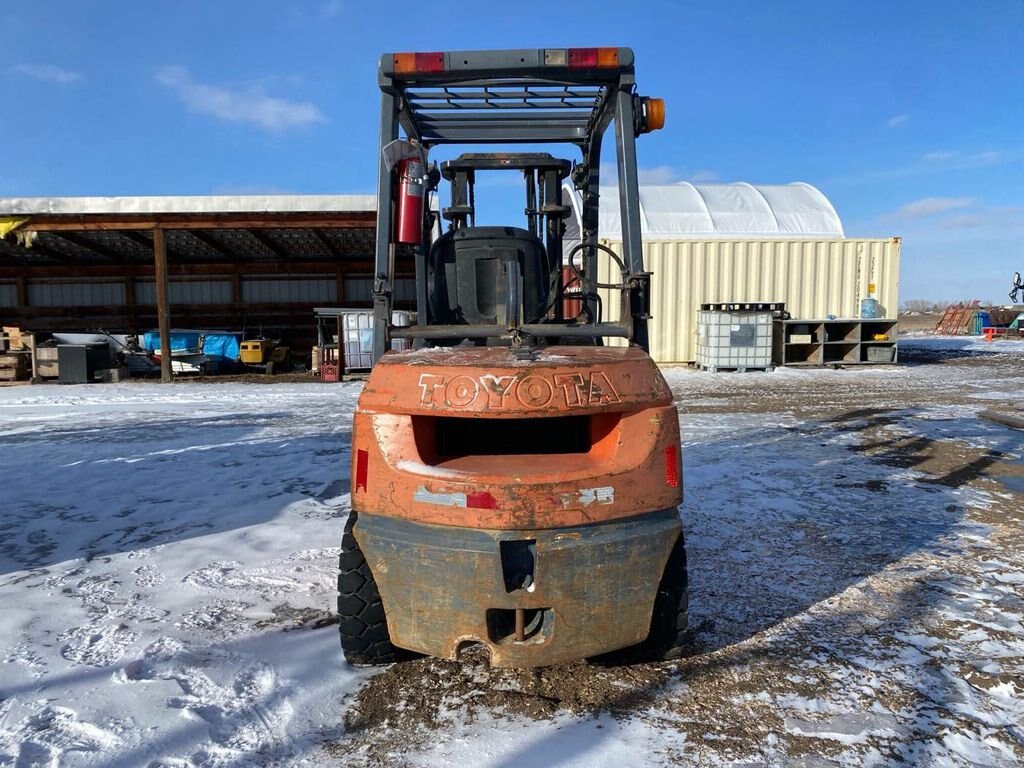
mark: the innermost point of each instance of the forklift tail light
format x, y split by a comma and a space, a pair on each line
601, 58
418, 63
671, 467
362, 459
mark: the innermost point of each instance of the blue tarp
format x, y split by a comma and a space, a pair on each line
225, 345
215, 343
180, 340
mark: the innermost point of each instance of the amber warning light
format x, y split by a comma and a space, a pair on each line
653, 114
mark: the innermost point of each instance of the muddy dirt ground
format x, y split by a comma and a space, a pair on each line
169, 558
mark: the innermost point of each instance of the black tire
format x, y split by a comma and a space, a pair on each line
361, 620
667, 635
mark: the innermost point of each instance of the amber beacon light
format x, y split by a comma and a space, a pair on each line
652, 115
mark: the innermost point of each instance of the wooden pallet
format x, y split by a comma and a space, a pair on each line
15, 366
17, 354
737, 369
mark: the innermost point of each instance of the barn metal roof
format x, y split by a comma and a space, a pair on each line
188, 204
208, 229
738, 210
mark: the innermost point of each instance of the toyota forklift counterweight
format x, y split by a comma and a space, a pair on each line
515, 481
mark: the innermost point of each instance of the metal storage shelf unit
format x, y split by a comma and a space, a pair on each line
835, 342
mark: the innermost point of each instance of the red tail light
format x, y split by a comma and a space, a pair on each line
415, 63
362, 459
593, 57
481, 500
671, 467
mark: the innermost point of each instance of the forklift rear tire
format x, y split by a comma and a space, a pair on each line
666, 638
361, 621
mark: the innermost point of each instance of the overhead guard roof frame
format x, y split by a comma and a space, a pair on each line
505, 97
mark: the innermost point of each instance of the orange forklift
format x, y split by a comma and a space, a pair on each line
514, 479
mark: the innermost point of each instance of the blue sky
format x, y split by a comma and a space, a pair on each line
909, 115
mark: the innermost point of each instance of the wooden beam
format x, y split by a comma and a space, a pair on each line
162, 309
196, 270
328, 246
269, 244
138, 238
213, 245
75, 313
129, 303
50, 253
87, 244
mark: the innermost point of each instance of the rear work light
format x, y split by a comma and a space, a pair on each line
417, 63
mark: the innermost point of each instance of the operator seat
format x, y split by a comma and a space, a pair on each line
467, 276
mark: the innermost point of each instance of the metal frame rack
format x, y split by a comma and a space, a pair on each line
835, 342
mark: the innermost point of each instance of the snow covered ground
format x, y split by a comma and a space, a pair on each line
168, 555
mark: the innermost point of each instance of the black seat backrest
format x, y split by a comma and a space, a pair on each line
467, 279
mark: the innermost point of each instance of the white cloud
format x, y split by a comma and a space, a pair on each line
897, 120
930, 206
936, 162
250, 105
331, 8
703, 177
987, 158
941, 155
48, 72
972, 160
661, 175
963, 221
993, 219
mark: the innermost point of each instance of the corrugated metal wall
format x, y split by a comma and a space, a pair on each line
814, 278
75, 294
8, 295
361, 289
186, 291
294, 290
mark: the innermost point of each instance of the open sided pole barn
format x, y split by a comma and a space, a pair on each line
131, 264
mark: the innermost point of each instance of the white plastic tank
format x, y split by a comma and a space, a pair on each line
401, 319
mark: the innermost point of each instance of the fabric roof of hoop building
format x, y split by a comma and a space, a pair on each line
739, 210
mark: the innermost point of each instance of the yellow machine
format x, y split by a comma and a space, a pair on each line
265, 354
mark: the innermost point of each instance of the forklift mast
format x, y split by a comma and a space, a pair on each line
529, 96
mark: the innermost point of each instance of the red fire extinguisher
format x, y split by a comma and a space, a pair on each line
409, 210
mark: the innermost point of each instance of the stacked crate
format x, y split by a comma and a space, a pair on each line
15, 356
